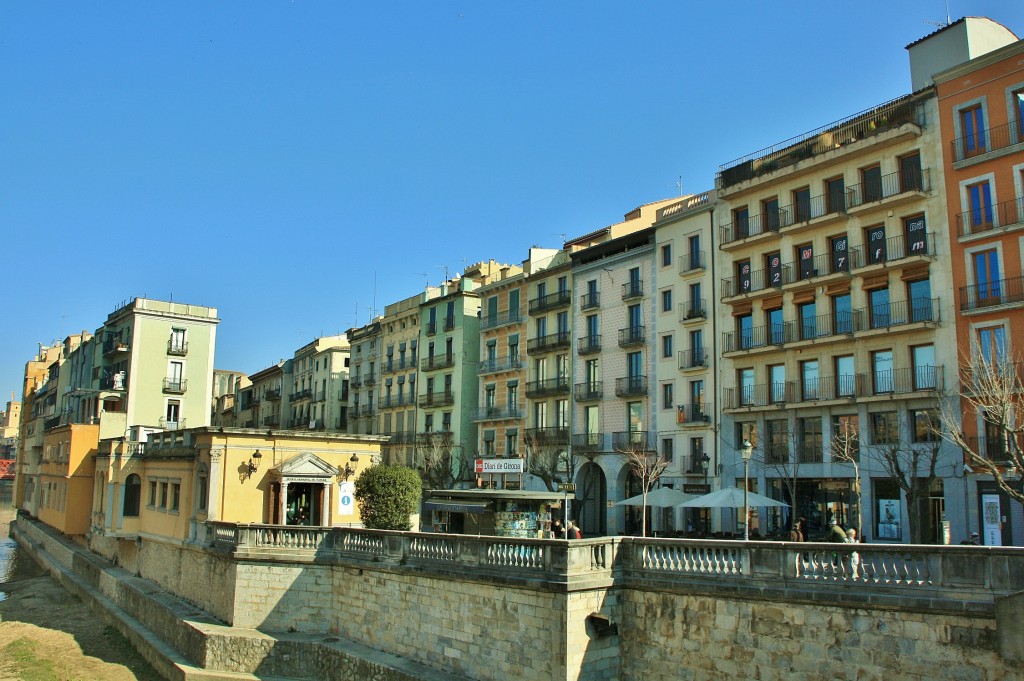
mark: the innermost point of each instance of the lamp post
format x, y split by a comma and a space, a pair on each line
746, 450
705, 463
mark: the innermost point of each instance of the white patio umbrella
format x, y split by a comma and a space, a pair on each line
663, 497
730, 497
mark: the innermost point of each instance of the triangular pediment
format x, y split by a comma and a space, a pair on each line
306, 465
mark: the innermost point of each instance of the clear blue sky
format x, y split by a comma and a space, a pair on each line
275, 159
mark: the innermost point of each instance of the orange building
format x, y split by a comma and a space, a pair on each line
981, 111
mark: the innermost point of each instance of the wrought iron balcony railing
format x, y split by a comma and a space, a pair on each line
632, 440
437, 399
554, 341
177, 347
698, 412
693, 309
632, 289
499, 364
590, 301
693, 359
991, 293
547, 387
688, 262
175, 385
551, 301
992, 216
632, 335
497, 413
588, 344
984, 141
586, 392
885, 186
547, 436
436, 362
631, 386
488, 321
588, 442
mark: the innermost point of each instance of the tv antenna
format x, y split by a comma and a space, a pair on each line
445, 268
426, 277
942, 24
679, 185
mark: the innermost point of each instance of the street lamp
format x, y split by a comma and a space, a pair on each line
746, 450
705, 462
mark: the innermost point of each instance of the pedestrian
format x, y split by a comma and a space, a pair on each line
802, 526
573, 531
557, 531
835, 533
975, 540
795, 534
851, 536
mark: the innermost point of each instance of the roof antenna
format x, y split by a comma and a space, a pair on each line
426, 277
939, 23
445, 268
679, 185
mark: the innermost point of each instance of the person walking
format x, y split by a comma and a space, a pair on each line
835, 533
572, 531
557, 531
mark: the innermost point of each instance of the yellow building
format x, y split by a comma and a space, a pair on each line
171, 486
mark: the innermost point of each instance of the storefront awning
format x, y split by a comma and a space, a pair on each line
455, 506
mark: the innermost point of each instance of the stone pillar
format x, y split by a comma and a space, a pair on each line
215, 494
283, 502
325, 512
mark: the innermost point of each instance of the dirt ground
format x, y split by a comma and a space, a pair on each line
46, 634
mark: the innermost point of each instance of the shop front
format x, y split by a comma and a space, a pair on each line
500, 513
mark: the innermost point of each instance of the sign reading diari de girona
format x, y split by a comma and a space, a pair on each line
486, 466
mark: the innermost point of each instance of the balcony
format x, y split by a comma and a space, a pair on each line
499, 319
697, 413
499, 364
587, 392
554, 341
449, 323
691, 262
175, 386
693, 359
887, 190
271, 421
366, 410
860, 126
1005, 215
436, 362
588, 442
632, 336
631, 386
441, 438
272, 394
632, 440
981, 297
392, 401
368, 382
903, 313
991, 139
496, 413
590, 301
403, 437
588, 345
893, 250
632, 290
548, 387
825, 388
552, 435
177, 347
692, 310
304, 394
751, 226
551, 301
168, 424
908, 380
355, 382
437, 399
114, 345
431, 328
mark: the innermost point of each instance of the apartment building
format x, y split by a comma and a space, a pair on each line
260, 400
613, 302
836, 318
364, 377
397, 401
316, 382
499, 415
226, 384
979, 79
687, 413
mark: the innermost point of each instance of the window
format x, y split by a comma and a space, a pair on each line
696, 302
846, 379
808, 313
510, 443
923, 358
746, 382
776, 326
972, 121
773, 263
924, 424
842, 313
920, 294
910, 173
877, 246
592, 374
986, 277
880, 311
488, 443
1017, 108
839, 246
635, 286
634, 367
871, 182
770, 211
177, 341
809, 379
666, 300
697, 398
916, 235
741, 218
132, 493
745, 431
979, 206
835, 195
175, 496
802, 204
745, 331
667, 447
805, 256
777, 381
743, 274
163, 495
512, 397
693, 244
777, 445
811, 450
173, 414
635, 319
666, 395
666, 255
845, 437
666, 346
881, 365
992, 344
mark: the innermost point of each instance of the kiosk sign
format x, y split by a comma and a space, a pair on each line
488, 466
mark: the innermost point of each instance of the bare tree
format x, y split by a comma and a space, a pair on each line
782, 454
846, 449
911, 465
992, 390
549, 460
646, 464
438, 462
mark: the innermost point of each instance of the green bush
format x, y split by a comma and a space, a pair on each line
388, 496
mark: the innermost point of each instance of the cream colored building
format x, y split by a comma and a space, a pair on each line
396, 401
364, 378
226, 385
315, 384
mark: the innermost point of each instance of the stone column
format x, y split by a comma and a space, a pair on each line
214, 492
283, 502
325, 512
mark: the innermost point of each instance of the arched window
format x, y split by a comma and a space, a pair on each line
132, 492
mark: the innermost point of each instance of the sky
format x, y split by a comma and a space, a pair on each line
299, 165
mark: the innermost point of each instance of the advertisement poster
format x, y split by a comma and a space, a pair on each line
991, 522
888, 519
